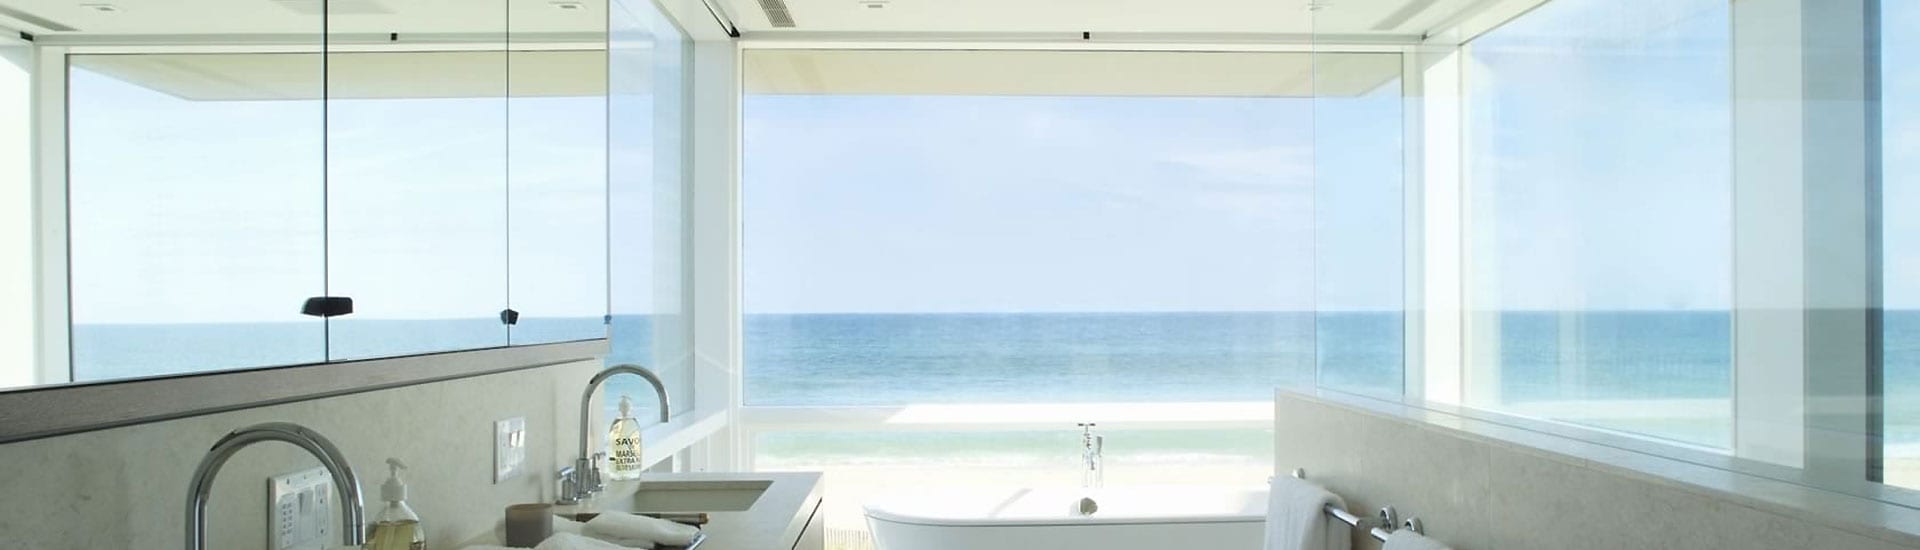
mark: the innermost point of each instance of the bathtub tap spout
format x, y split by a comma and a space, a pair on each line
1092, 448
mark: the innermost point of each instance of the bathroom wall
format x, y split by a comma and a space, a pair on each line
1483, 487
126, 487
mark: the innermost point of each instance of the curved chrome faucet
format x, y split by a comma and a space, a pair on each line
583, 479
352, 512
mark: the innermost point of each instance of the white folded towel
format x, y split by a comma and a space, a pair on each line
564, 525
632, 528
488, 547
570, 541
1406, 539
1297, 518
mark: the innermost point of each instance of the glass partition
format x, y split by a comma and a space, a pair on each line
1359, 225
1900, 233
557, 171
647, 201
1599, 225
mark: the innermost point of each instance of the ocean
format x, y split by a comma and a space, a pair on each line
1667, 374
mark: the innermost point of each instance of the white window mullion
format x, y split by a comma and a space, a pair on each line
50, 176
1441, 226
1769, 331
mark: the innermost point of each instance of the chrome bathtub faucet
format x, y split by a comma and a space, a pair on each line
1091, 449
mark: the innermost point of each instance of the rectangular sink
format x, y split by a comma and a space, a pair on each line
699, 496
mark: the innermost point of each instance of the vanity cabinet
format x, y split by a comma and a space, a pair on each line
814, 536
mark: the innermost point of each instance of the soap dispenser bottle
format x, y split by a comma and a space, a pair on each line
623, 444
397, 527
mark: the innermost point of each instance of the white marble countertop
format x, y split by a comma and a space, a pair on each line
773, 522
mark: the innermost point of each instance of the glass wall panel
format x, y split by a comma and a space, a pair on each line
1599, 217
416, 179
648, 79
1026, 226
1359, 227
1900, 234
196, 211
557, 171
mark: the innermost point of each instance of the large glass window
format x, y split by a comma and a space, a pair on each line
1599, 217
1066, 227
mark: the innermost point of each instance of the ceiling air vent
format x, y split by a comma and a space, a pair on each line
333, 7
777, 13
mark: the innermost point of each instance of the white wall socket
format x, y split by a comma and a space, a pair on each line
509, 448
300, 510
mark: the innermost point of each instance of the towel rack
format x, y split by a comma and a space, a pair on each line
1378, 527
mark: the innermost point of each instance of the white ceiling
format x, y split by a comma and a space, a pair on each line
1066, 73
281, 17
357, 75
1285, 17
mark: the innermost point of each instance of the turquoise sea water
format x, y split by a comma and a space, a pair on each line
896, 359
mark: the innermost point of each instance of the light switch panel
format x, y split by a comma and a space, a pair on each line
509, 448
300, 510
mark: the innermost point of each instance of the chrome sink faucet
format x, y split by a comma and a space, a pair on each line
582, 479
353, 530
1092, 449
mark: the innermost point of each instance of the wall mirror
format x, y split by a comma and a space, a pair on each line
217, 185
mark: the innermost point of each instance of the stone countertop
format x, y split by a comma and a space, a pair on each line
773, 522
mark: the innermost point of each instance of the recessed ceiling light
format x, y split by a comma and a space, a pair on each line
102, 8
874, 4
569, 6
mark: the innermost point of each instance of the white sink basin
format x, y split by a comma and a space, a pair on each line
699, 496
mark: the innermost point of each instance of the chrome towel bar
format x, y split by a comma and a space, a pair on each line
1379, 526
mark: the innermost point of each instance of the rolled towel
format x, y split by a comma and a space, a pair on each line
628, 527
1297, 518
1406, 539
570, 541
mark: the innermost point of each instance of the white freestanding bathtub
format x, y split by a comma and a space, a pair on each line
1127, 518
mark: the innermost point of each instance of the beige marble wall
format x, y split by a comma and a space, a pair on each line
1479, 493
125, 487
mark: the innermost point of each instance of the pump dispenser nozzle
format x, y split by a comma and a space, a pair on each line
394, 490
